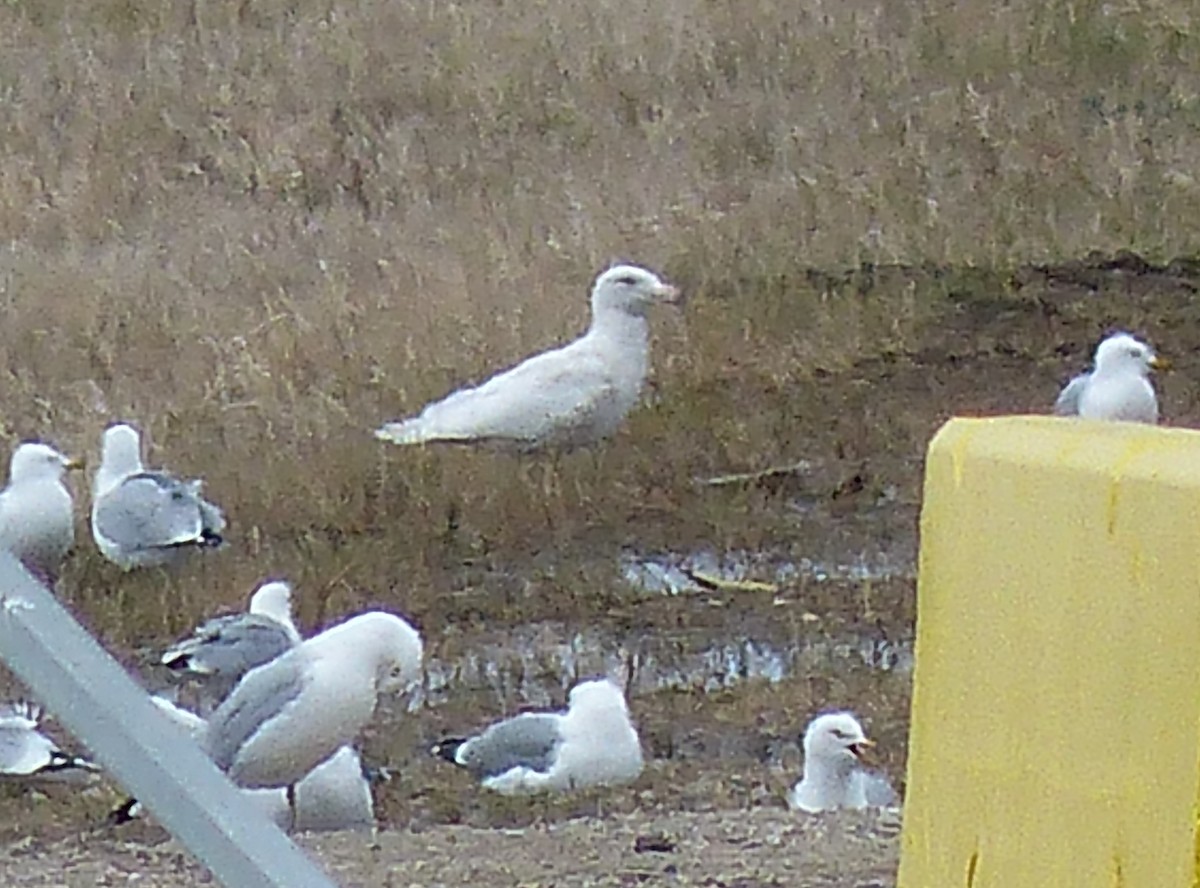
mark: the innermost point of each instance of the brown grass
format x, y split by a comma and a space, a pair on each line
260, 229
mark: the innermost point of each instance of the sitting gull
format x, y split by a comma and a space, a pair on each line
28, 754
37, 517
833, 774
569, 397
287, 716
335, 795
593, 743
144, 518
223, 649
1118, 388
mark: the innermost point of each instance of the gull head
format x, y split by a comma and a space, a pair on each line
121, 448
1123, 354
273, 599
836, 738
598, 694
394, 646
34, 460
630, 289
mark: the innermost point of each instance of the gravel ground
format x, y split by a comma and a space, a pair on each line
760, 846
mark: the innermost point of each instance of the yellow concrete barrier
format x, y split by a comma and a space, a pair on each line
1055, 735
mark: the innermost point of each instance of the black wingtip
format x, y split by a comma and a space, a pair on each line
447, 748
210, 540
123, 813
61, 762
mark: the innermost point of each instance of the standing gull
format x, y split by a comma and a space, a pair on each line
223, 649
569, 397
37, 517
593, 743
334, 795
833, 774
144, 518
28, 754
287, 716
1118, 388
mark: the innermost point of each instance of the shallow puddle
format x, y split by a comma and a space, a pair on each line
534, 666
675, 574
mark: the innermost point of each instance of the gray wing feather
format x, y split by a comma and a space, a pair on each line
1068, 399
15, 754
877, 790
230, 646
149, 510
259, 696
530, 740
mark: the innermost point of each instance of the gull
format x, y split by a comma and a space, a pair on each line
287, 716
145, 518
28, 754
833, 777
223, 649
335, 795
37, 517
569, 397
593, 743
1118, 388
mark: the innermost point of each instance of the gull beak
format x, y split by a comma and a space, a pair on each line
669, 294
862, 750
1157, 363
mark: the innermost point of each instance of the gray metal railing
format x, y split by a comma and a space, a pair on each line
153, 759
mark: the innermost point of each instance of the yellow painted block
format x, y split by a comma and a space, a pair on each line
1055, 735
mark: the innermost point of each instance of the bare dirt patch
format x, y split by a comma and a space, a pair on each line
762, 847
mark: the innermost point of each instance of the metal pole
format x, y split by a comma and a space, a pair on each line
154, 759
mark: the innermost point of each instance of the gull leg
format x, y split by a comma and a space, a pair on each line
291, 800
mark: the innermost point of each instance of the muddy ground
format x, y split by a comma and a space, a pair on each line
722, 677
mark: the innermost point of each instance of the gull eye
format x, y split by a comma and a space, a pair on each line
628, 280
840, 734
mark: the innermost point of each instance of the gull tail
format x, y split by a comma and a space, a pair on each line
63, 766
447, 748
125, 812
406, 431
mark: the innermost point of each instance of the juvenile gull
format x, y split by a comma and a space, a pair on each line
571, 396
833, 774
144, 518
37, 517
224, 649
593, 743
287, 716
335, 795
28, 754
1118, 388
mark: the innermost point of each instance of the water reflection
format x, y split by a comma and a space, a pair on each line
535, 665
675, 574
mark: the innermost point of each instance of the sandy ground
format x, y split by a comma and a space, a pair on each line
762, 846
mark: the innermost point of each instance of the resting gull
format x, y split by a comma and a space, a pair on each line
833, 777
334, 795
144, 518
569, 397
37, 517
593, 743
224, 649
28, 754
1118, 388
287, 716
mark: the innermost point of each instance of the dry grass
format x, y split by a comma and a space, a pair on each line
259, 229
